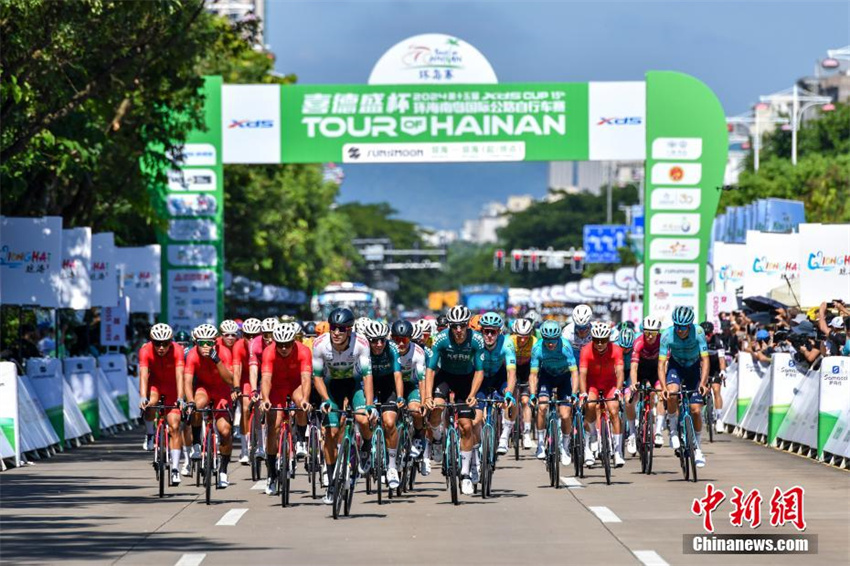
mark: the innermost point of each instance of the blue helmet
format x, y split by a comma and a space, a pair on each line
626, 339
683, 316
550, 329
490, 320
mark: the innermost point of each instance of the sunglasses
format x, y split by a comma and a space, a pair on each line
600, 340
339, 328
490, 332
457, 326
681, 327
401, 339
205, 343
161, 343
268, 335
228, 335
284, 345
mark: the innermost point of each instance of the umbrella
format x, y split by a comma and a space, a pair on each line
787, 294
762, 304
762, 318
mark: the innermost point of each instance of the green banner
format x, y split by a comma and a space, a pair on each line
423, 123
686, 149
776, 414
7, 427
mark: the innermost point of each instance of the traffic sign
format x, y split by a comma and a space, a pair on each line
601, 242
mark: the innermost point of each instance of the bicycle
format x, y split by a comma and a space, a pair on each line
209, 449
605, 438
315, 460
378, 470
646, 426
405, 456
577, 447
256, 424
516, 433
161, 452
489, 433
344, 479
285, 458
687, 436
709, 407
451, 450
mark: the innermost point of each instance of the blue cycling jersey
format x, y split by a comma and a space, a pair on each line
556, 362
686, 352
502, 354
386, 363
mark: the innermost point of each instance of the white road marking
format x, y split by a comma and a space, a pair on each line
191, 559
650, 558
605, 515
231, 518
571, 483
260, 485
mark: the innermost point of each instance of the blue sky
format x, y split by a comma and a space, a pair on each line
741, 49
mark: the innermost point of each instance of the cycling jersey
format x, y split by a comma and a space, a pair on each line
686, 352
206, 375
412, 364
162, 370
240, 356
601, 367
643, 350
523, 353
556, 362
502, 355
715, 347
352, 363
577, 341
428, 354
255, 351
459, 359
286, 371
385, 363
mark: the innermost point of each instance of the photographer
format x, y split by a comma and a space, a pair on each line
835, 340
806, 349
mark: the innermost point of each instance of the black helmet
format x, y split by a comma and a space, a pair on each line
309, 328
708, 327
341, 317
402, 328
442, 321
182, 336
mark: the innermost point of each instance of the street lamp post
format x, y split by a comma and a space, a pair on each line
797, 110
753, 125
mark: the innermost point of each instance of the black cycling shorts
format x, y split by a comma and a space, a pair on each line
461, 385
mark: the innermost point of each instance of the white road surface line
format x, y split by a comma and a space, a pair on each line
650, 558
571, 483
260, 485
605, 515
231, 518
190, 559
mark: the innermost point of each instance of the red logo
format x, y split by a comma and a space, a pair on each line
676, 173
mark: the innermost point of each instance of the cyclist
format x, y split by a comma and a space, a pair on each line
523, 340
255, 358
553, 377
182, 338
322, 327
442, 323
287, 367
644, 368
499, 376
578, 330
411, 358
716, 370
160, 373
388, 389
208, 381
601, 376
475, 322
683, 362
309, 334
456, 364
626, 342
251, 328
429, 328
342, 370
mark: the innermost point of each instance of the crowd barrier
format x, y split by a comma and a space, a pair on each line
807, 413
59, 404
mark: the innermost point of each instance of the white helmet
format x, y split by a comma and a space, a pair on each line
228, 327
582, 315
427, 325
284, 332
650, 323
458, 314
376, 329
417, 330
600, 330
269, 324
522, 326
161, 332
204, 332
298, 328
615, 334
252, 326
361, 324
533, 317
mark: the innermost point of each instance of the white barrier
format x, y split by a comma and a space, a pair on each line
785, 379
755, 417
800, 426
114, 367
748, 383
109, 413
729, 394
81, 377
838, 444
133, 397
834, 398
45, 377
36, 430
9, 420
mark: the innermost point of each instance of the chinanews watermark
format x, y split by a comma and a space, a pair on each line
785, 507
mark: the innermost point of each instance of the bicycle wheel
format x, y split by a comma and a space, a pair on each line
517, 431
452, 456
209, 447
161, 458
378, 460
283, 457
338, 480
553, 450
350, 480
709, 414
578, 444
255, 430
605, 439
484, 464
313, 459
692, 439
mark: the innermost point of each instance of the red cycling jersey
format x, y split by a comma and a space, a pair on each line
600, 368
240, 356
255, 352
286, 371
163, 370
644, 350
206, 374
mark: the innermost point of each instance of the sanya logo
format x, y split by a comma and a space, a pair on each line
818, 260
620, 121
423, 56
768, 267
251, 124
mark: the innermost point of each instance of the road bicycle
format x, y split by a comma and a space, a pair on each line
409, 464
606, 452
451, 450
285, 457
687, 436
344, 478
645, 437
161, 451
210, 458
708, 415
315, 460
577, 447
490, 432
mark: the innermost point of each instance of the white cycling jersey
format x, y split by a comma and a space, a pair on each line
413, 363
353, 362
575, 340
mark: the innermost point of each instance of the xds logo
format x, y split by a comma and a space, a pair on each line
251, 124
354, 153
625, 121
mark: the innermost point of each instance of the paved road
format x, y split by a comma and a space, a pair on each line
98, 504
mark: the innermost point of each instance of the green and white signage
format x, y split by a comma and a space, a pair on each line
834, 396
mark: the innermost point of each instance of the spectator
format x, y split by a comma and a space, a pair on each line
835, 340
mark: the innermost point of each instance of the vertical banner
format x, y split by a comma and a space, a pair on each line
81, 378
834, 396
748, 383
718, 303
772, 261
104, 276
783, 215
114, 367
30, 261
730, 262
142, 277
10, 423
113, 324
75, 275
785, 380
45, 375
824, 263
687, 145
193, 202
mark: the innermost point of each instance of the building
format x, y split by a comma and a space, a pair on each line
592, 176
439, 238
494, 215
238, 10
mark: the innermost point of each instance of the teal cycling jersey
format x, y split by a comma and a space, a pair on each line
685, 352
459, 359
428, 354
556, 362
502, 354
386, 363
